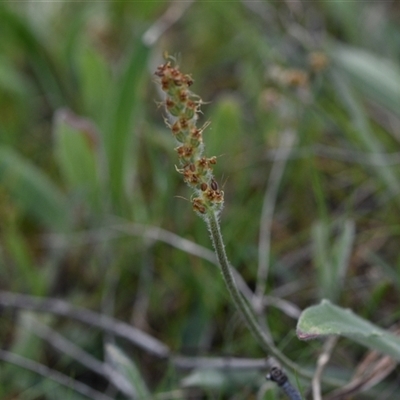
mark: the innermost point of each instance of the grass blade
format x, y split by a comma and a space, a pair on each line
33, 191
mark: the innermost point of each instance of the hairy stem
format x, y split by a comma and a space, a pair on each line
242, 306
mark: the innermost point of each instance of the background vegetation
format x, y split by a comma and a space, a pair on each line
304, 99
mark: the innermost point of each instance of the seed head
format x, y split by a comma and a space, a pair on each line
184, 107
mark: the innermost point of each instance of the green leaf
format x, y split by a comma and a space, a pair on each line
30, 279
14, 28
227, 117
77, 147
94, 80
221, 380
391, 273
133, 383
376, 77
33, 190
206, 379
327, 319
364, 133
11, 80
341, 250
25, 344
331, 260
346, 16
124, 121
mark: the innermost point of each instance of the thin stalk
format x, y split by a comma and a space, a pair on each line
247, 313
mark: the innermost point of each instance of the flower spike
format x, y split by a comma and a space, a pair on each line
183, 106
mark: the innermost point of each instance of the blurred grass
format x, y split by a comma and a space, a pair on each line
65, 182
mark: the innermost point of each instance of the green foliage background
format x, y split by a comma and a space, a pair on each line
85, 158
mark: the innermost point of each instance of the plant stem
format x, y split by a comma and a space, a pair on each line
247, 313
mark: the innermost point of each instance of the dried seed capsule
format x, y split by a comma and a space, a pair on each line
198, 205
184, 123
184, 151
188, 80
183, 95
280, 378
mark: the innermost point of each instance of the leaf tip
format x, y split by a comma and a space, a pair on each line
302, 335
